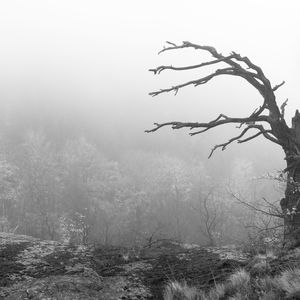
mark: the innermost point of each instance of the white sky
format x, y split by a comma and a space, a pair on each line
94, 55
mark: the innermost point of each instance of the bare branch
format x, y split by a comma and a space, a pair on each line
282, 107
258, 111
276, 87
196, 82
257, 79
173, 46
220, 120
224, 145
250, 138
272, 206
237, 138
254, 208
215, 54
264, 229
266, 134
159, 69
250, 77
252, 66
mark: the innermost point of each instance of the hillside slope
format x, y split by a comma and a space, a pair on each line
36, 269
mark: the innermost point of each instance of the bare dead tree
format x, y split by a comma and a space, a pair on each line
209, 215
267, 120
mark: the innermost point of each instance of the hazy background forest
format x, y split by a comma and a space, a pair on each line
75, 163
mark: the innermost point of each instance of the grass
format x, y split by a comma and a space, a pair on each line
181, 291
241, 285
289, 282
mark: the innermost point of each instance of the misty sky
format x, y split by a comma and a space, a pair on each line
90, 58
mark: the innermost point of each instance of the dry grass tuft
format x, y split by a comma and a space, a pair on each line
180, 291
239, 279
289, 282
237, 287
218, 292
241, 286
268, 289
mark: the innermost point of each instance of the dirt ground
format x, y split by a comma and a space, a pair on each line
35, 269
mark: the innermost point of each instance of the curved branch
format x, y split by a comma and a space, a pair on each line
220, 120
237, 138
266, 134
250, 138
236, 69
252, 66
159, 69
196, 82
276, 87
173, 46
256, 79
215, 54
224, 145
254, 208
250, 77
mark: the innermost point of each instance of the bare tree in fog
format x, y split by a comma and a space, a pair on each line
210, 217
267, 120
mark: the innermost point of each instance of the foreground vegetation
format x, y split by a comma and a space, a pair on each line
263, 278
37, 269
241, 285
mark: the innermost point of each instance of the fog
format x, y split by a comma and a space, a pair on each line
92, 58
73, 69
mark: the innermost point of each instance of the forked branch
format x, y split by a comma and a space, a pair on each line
159, 69
220, 120
270, 212
238, 138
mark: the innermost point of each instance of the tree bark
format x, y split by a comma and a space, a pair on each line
290, 205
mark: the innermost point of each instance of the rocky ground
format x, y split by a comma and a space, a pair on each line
37, 269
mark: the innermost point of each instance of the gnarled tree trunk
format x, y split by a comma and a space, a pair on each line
290, 205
